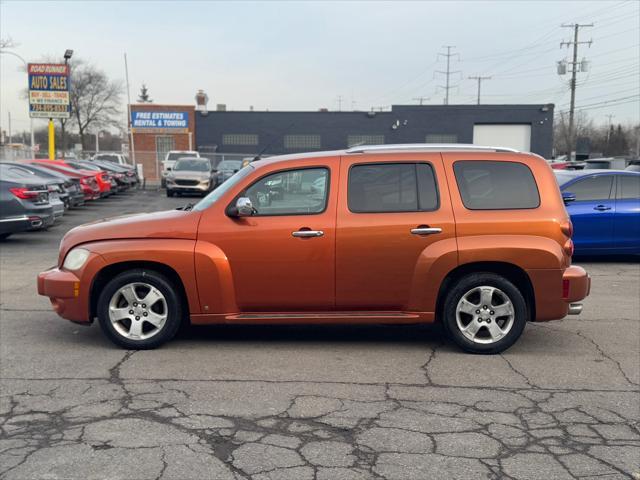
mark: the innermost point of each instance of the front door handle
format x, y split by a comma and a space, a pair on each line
602, 208
307, 233
424, 230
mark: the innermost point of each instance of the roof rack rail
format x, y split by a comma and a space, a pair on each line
427, 147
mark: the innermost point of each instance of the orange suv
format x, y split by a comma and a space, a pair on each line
476, 238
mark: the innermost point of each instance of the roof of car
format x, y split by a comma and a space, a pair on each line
390, 148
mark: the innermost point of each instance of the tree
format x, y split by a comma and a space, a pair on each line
144, 95
95, 99
583, 127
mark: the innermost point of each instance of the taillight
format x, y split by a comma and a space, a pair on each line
567, 228
24, 193
568, 247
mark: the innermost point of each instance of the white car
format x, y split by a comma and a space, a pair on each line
171, 158
112, 157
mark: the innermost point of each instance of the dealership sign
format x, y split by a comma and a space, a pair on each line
150, 122
49, 90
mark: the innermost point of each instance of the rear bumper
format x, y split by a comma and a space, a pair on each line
14, 224
558, 292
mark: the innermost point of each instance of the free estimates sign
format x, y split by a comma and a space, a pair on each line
159, 122
49, 90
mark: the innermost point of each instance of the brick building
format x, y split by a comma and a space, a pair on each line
157, 129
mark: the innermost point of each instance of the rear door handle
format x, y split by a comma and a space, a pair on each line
602, 208
425, 230
307, 233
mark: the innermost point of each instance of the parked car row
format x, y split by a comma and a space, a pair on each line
608, 163
35, 193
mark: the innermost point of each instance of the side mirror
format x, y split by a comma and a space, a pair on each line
568, 197
244, 207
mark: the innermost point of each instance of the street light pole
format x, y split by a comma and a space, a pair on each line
26, 66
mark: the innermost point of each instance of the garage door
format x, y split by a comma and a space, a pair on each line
512, 136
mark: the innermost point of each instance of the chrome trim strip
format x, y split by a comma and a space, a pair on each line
15, 219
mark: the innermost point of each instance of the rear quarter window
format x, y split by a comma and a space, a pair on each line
492, 185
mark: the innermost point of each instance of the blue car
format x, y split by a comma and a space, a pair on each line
604, 206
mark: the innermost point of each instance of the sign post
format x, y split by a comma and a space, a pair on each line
49, 95
52, 140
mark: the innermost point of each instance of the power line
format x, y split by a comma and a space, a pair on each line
448, 72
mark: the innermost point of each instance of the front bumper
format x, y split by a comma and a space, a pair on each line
69, 291
199, 188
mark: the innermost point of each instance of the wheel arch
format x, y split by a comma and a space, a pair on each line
109, 271
510, 271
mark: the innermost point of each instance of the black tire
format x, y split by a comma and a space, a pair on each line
173, 304
163, 183
465, 285
169, 193
4, 236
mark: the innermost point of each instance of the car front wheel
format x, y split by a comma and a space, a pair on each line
484, 313
169, 193
139, 309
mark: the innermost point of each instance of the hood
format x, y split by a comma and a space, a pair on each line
178, 224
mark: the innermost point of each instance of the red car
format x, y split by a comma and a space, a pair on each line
102, 178
88, 180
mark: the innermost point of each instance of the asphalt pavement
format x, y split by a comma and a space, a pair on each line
303, 402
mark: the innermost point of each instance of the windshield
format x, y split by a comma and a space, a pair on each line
213, 197
230, 165
177, 155
192, 164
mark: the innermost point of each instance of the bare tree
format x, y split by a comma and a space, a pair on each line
95, 99
7, 43
583, 128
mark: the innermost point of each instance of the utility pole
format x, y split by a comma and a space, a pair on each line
421, 99
575, 68
610, 116
479, 78
10, 139
448, 72
339, 99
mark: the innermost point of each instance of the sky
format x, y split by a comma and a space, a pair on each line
349, 55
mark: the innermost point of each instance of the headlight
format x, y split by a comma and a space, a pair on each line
75, 259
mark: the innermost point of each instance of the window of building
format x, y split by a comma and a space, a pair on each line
239, 139
357, 140
392, 187
441, 138
164, 144
629, 187
488, 185
592, 188
301, 141
291, 192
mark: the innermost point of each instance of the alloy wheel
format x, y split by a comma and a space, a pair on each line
138, 311
485, 314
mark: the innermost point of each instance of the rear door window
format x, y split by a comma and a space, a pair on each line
392, 187
492, 185
592, 188
629, 187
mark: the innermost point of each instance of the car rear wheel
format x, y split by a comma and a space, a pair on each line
484, 313
139, 309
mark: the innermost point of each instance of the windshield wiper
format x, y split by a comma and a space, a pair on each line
187, 207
